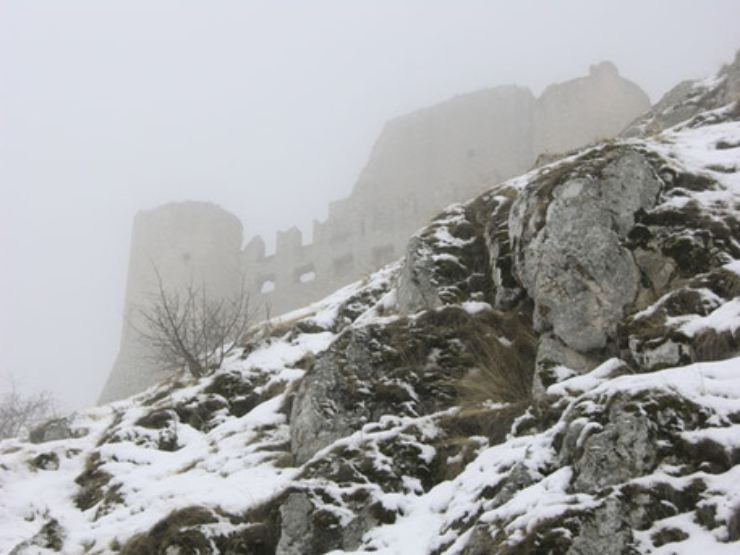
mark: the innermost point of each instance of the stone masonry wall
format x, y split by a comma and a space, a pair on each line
431, 158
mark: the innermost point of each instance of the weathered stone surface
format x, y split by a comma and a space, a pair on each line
507, 288
551, 352
55, 429
661, 353
309, 526
655, 338
407, 367
446, 262
416, 288
50, 537
623, 448
297, 530
605, 531
657, 268
568, 247
46, 461
317, 418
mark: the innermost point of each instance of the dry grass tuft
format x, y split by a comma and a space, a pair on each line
503, 362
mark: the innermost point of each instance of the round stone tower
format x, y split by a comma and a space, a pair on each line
186, 243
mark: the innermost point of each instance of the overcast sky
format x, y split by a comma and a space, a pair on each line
266, 108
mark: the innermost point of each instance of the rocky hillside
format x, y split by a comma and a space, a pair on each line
553, 367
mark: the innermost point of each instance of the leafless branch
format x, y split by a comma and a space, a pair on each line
188, 328
19, 413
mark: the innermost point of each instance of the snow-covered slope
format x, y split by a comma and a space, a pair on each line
554, 367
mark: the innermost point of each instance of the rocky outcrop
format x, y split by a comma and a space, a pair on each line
406, 367
553, 368
570, 243
54, 430
446, 262
688, 99
569, 227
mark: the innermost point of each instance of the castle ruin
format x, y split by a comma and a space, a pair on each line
421, 163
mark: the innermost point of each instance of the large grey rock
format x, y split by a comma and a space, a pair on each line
605, 532
318, 416
417, 289
336, 396
56, 429
308, 527
553, 353
498, 242
446, 261
567, 233
296, 527
405, 367
624, 448
620, 449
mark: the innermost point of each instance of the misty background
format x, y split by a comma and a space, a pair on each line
268, 109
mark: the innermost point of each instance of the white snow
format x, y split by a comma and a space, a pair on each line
268, 286
695, 150
724, 318
226, 467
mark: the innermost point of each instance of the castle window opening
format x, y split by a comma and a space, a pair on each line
304, 274
268, 286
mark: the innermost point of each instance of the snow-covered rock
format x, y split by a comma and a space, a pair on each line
689, 98
569, 227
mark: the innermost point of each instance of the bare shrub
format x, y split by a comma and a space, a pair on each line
503, 358
189, 329
19, 413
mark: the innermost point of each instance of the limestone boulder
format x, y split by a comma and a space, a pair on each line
568, 229
446, 262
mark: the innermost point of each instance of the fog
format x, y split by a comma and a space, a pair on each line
268, 109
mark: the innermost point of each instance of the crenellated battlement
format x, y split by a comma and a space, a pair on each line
344, 247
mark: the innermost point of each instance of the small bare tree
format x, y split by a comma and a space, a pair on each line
186, 328
19, 413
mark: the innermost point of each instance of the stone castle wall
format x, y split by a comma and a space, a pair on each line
421, 163
425, 161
